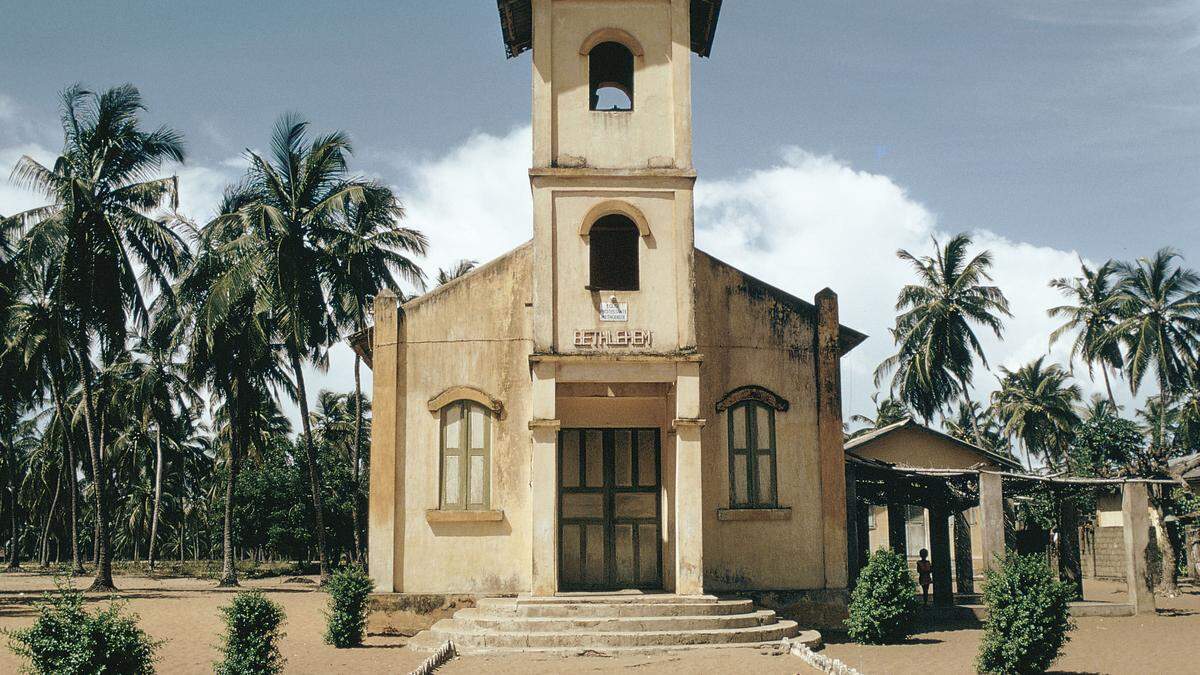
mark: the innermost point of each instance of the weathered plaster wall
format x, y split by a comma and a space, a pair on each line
660, 305
913, 447
656, 133
474, 332
748, 337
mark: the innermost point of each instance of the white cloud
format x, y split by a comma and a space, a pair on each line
806, 223
812, 221
809, 222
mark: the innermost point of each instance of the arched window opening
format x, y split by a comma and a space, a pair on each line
752, 480
613, 252
610, 65
466, 456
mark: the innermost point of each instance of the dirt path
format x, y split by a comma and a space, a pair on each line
185, 613
1168, 642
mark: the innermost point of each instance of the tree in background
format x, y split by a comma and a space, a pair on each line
98, 229
934, 333
1037, 407
1092, 318
1159, 304
369, 251
460, 268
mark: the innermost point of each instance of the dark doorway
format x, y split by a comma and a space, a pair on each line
609, 505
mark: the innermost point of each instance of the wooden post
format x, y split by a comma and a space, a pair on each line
829, 439
964, 566
939, 544
1135, 511
1070, 567
991, 519
897, 514
854, 532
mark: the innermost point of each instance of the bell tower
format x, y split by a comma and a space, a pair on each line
612, 172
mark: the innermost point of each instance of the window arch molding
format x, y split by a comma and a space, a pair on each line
466, 393
615, 207
617, 35
753, 392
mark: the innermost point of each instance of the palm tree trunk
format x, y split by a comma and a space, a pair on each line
158, 475
56, 386
42, 548
358, 552
14, 541
228, 567
971, 408
314, 470
1170, 573
1111, 399
103, 580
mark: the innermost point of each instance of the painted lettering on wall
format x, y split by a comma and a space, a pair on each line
606, 339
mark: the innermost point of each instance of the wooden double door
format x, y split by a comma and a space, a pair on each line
610, 509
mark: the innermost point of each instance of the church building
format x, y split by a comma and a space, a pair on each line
607, 407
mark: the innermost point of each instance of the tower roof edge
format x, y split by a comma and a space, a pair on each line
516, 23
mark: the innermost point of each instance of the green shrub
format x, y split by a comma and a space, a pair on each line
67, 640
884, 602
252, 633
1028, 617
349, 593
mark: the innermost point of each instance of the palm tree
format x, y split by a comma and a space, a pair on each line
888, 411
40, 331
1092, 318
1037, 407
460, 268
971, 416
1159, 306
162, 394
1098, 407
227, 333
937, 345
369, 250
296, 196
98, 228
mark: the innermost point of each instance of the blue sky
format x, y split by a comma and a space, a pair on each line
1053, 128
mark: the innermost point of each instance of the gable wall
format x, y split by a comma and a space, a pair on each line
475, 332
747, 337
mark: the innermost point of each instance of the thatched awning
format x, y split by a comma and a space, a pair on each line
516, 20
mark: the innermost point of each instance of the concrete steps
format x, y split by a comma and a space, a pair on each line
607, 623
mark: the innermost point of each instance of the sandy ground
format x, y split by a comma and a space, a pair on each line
185, 613
1168, 642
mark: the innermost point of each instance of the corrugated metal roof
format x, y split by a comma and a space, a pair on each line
516, 21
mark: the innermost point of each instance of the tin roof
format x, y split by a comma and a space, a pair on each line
516, 20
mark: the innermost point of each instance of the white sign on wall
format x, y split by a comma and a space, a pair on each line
614, 311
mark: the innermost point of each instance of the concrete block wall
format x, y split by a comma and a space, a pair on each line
1103, 552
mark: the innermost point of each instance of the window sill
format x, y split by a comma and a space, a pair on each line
440, 516
779, 513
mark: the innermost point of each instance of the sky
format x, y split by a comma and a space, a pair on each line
828, 134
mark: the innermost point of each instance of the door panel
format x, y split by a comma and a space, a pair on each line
609, 509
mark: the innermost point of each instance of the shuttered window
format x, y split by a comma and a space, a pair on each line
466, 456
752, 480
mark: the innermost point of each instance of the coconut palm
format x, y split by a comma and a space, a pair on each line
370, 252
161, 394
227, 333
971, 416
1036, 404
1158, 302
1091, 318
458, 269
98, 229
888, 411
296, 194
934, 333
